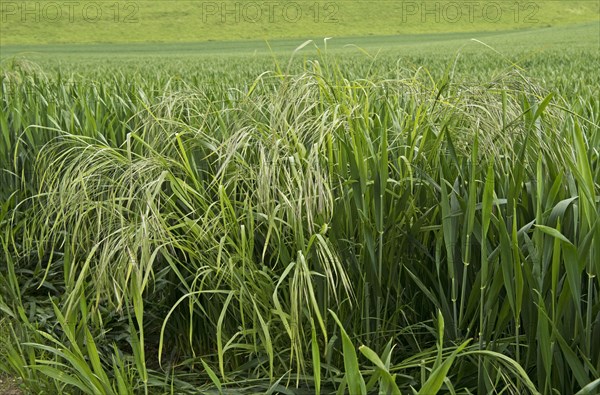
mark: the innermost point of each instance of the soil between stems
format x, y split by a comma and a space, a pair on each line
9, 386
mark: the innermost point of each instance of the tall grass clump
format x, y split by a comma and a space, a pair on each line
169, 237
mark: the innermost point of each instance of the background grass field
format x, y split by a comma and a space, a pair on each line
518, 46
169, 21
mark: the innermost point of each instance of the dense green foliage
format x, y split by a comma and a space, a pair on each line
335, 224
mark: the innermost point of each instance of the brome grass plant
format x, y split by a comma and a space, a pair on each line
314, 229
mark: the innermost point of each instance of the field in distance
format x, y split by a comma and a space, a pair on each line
45, 22
518, 45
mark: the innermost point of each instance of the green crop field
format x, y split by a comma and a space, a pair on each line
391, 207
87, 21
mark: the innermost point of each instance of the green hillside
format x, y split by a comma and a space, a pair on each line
518, 45
27, 22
